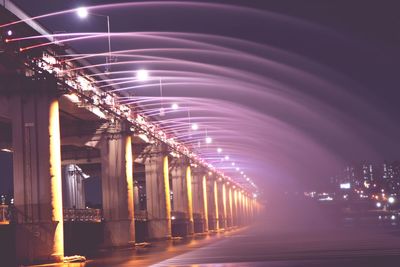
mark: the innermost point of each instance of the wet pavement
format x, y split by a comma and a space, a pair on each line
291, 236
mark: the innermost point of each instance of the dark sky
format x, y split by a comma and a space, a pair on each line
356, 41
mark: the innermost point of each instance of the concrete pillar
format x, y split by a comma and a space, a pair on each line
213, 214
158, 194
117, 188
240, 208
229, 208
37, 172
199, 189
222, 210
235, 208
182, 190
73, 187
245, 209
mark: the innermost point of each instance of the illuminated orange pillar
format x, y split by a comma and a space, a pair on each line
182, 190
199, 192
117, 188
246, 209
235, 207
212, 194
229, 207
37, 172
222, 203
205, 200
240, 208
158, 193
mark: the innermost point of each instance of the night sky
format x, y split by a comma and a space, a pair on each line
353, 46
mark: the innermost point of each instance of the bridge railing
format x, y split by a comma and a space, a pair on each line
140, 215
4, 214
82, 215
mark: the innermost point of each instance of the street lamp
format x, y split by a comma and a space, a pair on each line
208, 140
219, 150
142, 75
195, 126
83, 13
174, 106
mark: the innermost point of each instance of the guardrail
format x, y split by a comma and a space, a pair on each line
82, 215
140, 215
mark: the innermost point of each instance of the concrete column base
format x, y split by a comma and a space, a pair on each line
35, 243
213, 224
159, 229
118, 233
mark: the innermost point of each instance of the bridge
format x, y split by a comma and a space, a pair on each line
62, 128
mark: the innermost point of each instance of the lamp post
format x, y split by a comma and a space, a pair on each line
83, 13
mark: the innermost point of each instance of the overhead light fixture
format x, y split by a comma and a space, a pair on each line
82, 12
174, 106
195, 126
142, 75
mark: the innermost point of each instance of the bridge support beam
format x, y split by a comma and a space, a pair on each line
117, 188
158, 193
182, 191
235, 212
229, 220
199, 187
212, 194
37, 172
222, 209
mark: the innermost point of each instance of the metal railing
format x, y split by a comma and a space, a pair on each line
140, 215
82, 215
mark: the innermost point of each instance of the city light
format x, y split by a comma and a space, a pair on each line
174, 106
9, 32
82, 12
378, 205
195, 126
219, 150
233, 163
391, 200
142, 75
226, 157
208, 140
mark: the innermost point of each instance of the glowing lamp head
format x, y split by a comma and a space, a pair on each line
174, 106
378, 205
82, 12
391, 200
195, 126
9, 33
219, 150
233, 163
208, 140
142, 75
226, 157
